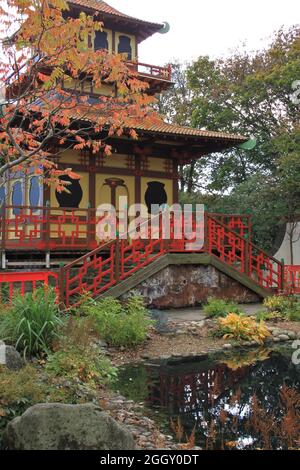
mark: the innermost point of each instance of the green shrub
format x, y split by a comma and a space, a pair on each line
77, 355
18, 391
76, 331
75, 365
220, 307
294, 314
121, 324
32, 322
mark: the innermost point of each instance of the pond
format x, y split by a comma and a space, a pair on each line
239, 400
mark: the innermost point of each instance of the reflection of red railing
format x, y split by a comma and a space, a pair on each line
292, 279
23, 282
153, 71
190, 391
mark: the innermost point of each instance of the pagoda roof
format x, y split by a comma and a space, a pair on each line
194, 143
143, 29
175, 130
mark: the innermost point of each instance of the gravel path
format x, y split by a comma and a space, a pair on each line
180, 315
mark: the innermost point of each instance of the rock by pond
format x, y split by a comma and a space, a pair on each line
55, 426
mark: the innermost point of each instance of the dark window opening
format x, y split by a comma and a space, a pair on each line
124, 46
73, 196
101, 40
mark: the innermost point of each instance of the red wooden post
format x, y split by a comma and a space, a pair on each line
206, 234
47, 227
89, 227
117, 259
247, 258
281, 285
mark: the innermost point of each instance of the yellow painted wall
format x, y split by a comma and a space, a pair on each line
69, 156
106, 90
86, 86
158, 164
116, 160
103, 192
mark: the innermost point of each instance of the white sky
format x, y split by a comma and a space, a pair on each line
209, 27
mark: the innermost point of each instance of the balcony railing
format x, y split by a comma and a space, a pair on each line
153, 71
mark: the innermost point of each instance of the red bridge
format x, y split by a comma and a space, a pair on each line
52, 232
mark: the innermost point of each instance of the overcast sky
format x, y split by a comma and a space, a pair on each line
210, 27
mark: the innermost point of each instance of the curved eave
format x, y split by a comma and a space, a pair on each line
188, 133
143, 29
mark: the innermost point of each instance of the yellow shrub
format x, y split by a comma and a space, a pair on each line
238, 327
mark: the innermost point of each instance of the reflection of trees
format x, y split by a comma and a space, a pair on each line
201, 392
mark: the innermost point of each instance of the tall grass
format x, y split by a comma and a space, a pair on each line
32, 322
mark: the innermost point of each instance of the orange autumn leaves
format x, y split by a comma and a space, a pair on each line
41, 114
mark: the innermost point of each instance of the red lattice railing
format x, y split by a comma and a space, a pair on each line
243, 255
226, 237
239, 223
93, 273
51, 228
153, 71
47, 228
115, 261
22, 282
292, 279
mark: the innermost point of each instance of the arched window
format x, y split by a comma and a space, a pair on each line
124, 46
2, 195
17, 196
34, 191
101, 40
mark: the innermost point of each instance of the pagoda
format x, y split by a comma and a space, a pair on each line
43, 230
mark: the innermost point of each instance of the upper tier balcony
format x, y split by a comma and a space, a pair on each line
159, 78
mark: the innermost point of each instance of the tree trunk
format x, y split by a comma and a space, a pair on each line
190, 182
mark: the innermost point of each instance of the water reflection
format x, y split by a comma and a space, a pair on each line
220, 399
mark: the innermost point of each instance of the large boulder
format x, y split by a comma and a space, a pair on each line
10, 357
54, 426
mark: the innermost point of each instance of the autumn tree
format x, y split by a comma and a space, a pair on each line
246, 92
48, 67
251, 93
